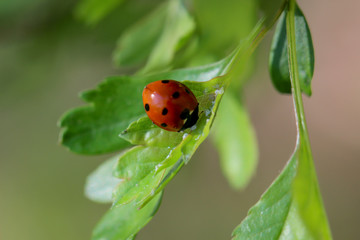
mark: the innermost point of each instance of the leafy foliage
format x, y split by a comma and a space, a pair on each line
136, 43
292, 207
214, 18
267, 218
114, 119
161, 149
178, 27
279, 214
95, 128
146, 169
156, 38
236, 141
101, 183
125, 221
115, 104
279, 68
92, 11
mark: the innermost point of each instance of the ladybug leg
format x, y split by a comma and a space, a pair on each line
191, 119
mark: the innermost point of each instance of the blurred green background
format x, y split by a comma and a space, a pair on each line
47, 57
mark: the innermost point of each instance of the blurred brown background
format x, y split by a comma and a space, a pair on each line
47, 57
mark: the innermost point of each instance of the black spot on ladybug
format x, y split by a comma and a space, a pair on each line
165, 81
163, 124
164, 111
147, 107
176, 95
184, 114
187, 90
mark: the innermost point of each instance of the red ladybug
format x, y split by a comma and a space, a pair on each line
170, 105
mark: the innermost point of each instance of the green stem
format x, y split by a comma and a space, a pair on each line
266, 28
294, 73
255, 37
306, 167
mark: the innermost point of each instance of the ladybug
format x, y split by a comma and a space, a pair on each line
170, 105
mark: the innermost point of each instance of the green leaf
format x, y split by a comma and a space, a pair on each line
124, 222
278, 61
95, 128
136, 43
147, 168
137, 168
115, 105
117, 102
144, 132
156, 38
309, 204
292, 207
92, 11
100, 184
223, 25
178, 26
271, 9
267, 218
235, 139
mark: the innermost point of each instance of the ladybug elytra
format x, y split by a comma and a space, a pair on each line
170, 105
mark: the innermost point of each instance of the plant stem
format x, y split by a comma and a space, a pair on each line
253, 40
305, 167
294, 73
